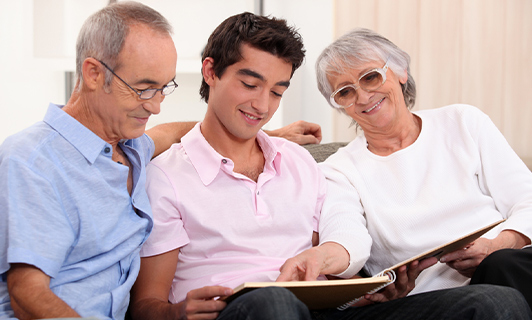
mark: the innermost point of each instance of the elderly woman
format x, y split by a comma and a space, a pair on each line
414, 180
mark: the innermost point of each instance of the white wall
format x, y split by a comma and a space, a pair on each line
314, 19
38, 38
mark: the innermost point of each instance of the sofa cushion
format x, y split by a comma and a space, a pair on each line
320, 152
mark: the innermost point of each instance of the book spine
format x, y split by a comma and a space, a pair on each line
391, 275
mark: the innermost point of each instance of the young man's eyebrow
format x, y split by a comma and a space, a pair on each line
251, 73
283, 83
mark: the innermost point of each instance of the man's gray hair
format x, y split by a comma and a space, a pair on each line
356, 48
103, 34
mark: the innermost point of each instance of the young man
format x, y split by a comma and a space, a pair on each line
74, 207
232, 205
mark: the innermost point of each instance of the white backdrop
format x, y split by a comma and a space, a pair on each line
38, 38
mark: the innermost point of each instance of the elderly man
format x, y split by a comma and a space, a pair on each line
74, 208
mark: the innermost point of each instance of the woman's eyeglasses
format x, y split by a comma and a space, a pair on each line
369, 81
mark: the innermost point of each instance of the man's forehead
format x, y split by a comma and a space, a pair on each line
149, 56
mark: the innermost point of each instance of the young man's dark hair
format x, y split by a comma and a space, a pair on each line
268, 34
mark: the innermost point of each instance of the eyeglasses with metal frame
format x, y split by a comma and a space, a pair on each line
369, 81
147, 93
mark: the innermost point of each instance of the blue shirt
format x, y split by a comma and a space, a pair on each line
65, 209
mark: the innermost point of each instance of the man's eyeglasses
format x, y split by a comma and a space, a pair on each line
369, 81
148, 93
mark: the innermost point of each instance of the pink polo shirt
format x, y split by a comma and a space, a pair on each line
229, 228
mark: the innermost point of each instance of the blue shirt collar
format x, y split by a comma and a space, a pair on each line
84, 140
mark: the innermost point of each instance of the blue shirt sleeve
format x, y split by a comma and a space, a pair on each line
35, 228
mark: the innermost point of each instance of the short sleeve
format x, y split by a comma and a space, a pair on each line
35, 228
168, 232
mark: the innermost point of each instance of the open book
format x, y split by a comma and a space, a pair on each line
342, 294
436, 252
321, 294
443, 249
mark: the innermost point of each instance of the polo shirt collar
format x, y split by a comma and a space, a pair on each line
208, 162
83, 139
272, 154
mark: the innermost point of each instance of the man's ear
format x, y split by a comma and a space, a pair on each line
92, 73
207, 70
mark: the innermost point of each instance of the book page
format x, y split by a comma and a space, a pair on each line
448, 247
320, 294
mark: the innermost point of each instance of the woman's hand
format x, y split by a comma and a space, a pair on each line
466, 260
404, 283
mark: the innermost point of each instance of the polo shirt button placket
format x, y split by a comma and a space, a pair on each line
107, 150
224, 161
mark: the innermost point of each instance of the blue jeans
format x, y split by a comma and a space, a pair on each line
266, 303
469, 302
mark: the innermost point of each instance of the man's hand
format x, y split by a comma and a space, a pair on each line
166, 134
300, 132
306, 266
329, 258
201, 303
149, 295
405, 282
466, 260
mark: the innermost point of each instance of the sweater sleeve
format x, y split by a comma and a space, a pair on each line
504, 177
342, 219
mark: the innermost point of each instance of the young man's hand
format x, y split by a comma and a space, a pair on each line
201, 303
328, 258
149, 295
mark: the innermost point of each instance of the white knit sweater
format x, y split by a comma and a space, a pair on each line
458, 176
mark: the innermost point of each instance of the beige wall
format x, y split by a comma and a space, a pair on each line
463, 51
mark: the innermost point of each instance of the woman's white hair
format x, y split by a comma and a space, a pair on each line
356, 48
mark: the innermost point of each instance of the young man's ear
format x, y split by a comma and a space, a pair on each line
92, 73
207, 70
